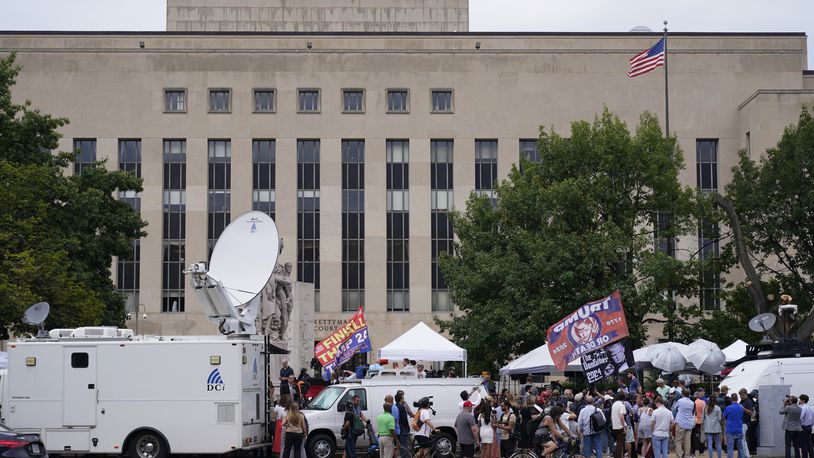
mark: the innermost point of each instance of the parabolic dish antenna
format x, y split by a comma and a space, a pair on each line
36, 315
245, 255
762, 322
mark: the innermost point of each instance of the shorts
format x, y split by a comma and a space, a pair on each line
423, 441
629, 435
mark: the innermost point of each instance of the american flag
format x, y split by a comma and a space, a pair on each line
647, 60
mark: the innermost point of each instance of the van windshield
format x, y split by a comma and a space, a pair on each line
326, 398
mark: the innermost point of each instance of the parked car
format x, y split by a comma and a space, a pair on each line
16, 445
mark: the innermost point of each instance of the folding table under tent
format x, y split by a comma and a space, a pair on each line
422, 343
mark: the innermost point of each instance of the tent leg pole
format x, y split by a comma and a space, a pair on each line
466, 374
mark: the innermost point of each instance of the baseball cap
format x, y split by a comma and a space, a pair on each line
467, 404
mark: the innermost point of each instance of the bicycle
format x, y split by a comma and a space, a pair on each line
567, 449
440, 447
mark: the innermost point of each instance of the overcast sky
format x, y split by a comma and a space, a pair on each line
485, 15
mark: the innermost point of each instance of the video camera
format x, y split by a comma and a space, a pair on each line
424, 403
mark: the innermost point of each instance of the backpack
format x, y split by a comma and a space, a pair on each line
597, 421
357, 428
416, 423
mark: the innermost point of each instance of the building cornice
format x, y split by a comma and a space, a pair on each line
775, 92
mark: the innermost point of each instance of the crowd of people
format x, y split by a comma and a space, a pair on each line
625, 422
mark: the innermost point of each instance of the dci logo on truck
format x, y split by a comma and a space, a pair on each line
215, 381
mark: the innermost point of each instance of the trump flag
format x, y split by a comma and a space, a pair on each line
590, 327
339, 347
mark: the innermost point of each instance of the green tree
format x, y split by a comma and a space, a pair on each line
770, 206
58, 233
567, 230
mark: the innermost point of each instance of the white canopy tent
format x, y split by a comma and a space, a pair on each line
423, 343
735, 351
537, 361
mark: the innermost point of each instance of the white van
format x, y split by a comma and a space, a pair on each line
326, 411
797, 372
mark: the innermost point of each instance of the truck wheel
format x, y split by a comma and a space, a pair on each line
321, 446
148, 444
445, 447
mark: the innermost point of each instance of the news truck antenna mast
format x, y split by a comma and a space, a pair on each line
229, 288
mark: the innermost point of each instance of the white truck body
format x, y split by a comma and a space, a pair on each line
326, 412
95, 395
751, 375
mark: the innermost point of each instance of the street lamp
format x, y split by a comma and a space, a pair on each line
140, 309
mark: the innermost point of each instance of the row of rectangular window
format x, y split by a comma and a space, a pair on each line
308, 100
353, 152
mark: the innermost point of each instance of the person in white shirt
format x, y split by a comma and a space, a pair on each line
422, 436
661, 420
618, 424
473, 397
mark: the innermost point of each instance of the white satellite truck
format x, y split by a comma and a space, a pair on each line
105, 390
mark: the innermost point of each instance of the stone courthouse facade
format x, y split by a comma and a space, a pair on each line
359, 124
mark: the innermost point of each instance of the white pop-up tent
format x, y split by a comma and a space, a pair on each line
422, 343
735, 351
537, 361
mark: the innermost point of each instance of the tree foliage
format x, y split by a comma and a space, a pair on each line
567, 230
58, 233
773, 206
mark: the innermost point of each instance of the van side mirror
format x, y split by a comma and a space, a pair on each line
340, 407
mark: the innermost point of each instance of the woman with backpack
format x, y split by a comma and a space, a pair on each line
295, 430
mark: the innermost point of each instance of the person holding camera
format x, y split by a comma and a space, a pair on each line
791, 425
422, 435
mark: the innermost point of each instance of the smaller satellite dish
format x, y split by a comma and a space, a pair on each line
36, 315
762, 322
640, 28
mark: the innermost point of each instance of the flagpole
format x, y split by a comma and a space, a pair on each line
666, 88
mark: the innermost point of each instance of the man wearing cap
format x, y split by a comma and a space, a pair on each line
576, 406
591, 440
467, 431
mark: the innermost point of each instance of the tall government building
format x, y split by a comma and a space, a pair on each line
359, 124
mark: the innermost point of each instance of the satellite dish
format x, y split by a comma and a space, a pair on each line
36, 315
640, 28
245, 256
762, 322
